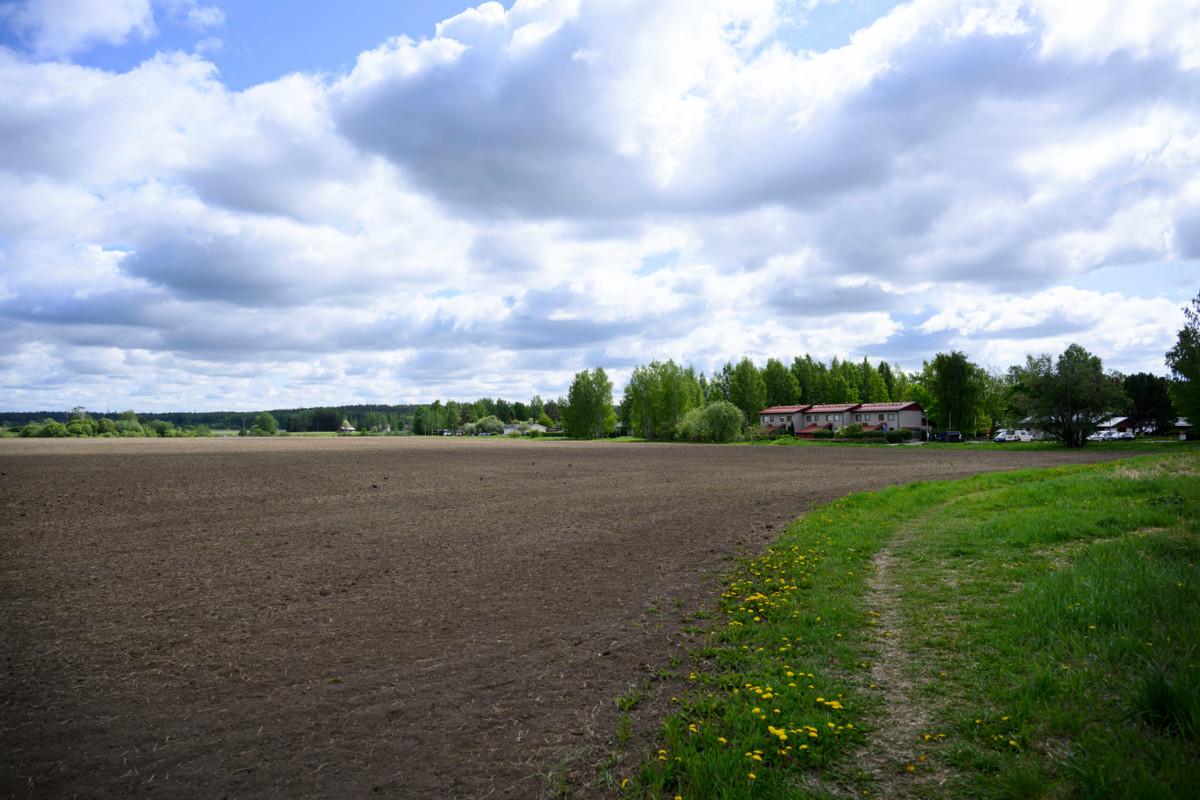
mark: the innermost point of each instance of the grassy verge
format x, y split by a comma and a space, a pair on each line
1134, 446
1038, 633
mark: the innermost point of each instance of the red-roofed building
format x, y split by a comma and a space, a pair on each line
779, 417
807, 420
827, 415
895, 415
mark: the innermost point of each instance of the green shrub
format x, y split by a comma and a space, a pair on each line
53, 429
723, 420
81, 427
159, 427
129, 427
719, 421
758, 433
692, 426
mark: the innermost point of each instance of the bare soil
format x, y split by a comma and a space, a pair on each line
342, 617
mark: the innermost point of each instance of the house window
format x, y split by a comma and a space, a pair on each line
837, 417
858, 417
881, 416
891, 416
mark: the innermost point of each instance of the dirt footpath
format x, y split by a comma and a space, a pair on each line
348, 617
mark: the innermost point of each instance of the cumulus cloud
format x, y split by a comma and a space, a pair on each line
565, 183
61, 27
1004, 328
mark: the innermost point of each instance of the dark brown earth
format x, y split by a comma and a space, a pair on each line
342, 617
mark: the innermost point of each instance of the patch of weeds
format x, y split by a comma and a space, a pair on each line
630, 700
624, 729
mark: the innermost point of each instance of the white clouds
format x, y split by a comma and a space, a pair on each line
61, 27
1094, 31
1004, 328
472, 213
196, 14
57, 28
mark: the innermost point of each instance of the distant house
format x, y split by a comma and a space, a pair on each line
807, 420
1117, 424
346, 427
823, 417
779, 417
523, 427
873, 416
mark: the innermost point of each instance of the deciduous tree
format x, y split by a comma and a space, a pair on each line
747, 390
657, 396
588, 413
1067, 397
782, 387
954, 386
1149, 404
1184, 361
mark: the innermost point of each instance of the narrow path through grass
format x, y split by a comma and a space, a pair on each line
891, 756
1017, 635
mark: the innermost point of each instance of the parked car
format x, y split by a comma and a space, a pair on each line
1017, 435
948, 436
1124, 435
1102, 436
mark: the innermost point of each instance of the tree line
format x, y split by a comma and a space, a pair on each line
485, 415
1066, 396
80, 423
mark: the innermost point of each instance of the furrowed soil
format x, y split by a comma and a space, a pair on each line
348, 617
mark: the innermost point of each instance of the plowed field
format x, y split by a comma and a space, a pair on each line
348, 617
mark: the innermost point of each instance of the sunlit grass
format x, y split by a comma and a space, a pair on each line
1051, 626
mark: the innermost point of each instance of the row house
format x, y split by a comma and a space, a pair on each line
807, 420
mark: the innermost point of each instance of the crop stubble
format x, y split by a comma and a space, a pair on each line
335, 618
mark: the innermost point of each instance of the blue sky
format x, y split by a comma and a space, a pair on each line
219, 204
256, 42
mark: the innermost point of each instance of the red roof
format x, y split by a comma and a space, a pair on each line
841, 408
889, 406
814, 427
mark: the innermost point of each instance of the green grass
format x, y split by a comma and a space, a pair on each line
1133, 446
1048, 625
